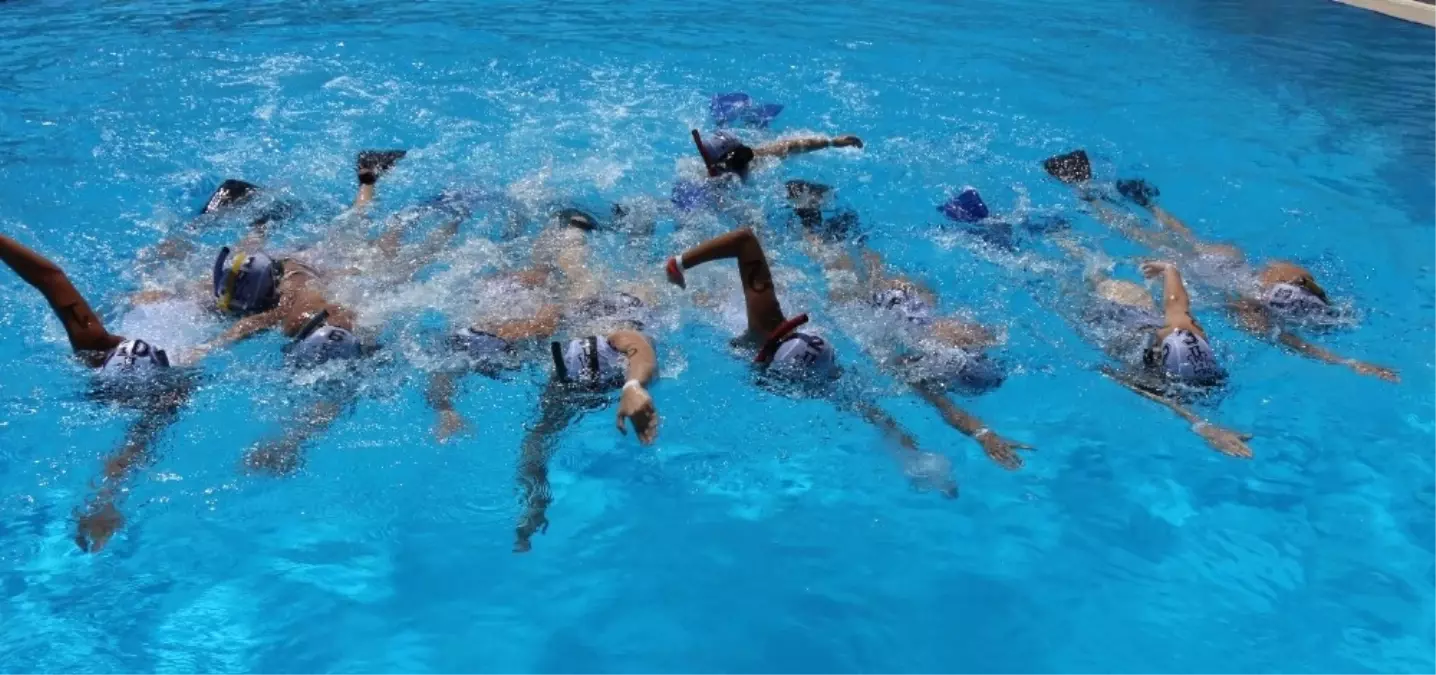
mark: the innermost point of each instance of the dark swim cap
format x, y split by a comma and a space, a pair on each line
724, 153
245, 283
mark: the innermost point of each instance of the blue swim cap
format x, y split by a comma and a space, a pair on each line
245, 283
966, 207
134, 358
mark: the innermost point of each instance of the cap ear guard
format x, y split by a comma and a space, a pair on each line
709, 162
313, 324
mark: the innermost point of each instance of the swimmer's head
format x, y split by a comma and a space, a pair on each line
484, 351
806, 195
318, 342
1295, 301
803, 356
245, 283
576, 219
1186, 358
589, 362
134, 358
965, 207
723, 154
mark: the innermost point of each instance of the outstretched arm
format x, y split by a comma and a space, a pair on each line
999, 449
100, 517
85, 330
284, 455
1222, 440
555, 414
240, 330
805, 144
924, 468
1254, 319
636, 403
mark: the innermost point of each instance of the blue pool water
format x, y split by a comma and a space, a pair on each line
759, 533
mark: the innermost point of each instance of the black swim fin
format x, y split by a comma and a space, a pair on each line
1073, 167
372, 164
1139, 191
231, 192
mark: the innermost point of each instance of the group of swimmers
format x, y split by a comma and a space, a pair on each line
594, 324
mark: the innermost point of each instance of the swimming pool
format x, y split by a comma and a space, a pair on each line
776, 537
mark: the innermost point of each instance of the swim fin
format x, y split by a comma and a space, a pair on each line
1139, 191
231, 192
1073, 167
372, 164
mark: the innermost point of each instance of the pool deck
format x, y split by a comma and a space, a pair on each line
1415, 11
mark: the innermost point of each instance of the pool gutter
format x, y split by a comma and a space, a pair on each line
1410, 10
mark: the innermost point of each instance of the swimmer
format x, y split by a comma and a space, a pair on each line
729, 162
784, 353
290, 294
968, 212
1268, 302
133, 369
293, 296
610, 349
1164, 354
934, 354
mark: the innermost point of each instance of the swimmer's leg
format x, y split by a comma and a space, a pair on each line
999, 449
100, 518
440, 395
85, 330
370, 165
761, 299
556, 412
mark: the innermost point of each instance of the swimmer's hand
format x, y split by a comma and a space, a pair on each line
848, 141
675, 273
96, 526
636, 404
451, 424
1001, 450
1388, 374
929, 471
1155, 268
1225, 441
530, 524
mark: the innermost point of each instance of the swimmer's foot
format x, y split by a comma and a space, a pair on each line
373, 164
1071, 168
1139, 191
232, 192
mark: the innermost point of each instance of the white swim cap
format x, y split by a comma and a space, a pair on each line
804, 355
134, 358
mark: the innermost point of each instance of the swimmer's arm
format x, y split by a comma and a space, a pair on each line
440, 395
282, 456
240, 330
884, 422
636, 404
642, 360
100, 517
1176, 304
1221, 439
1254, 319
998, 448
805, 144
543, 324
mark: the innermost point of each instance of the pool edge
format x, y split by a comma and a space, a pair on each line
1409, 10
